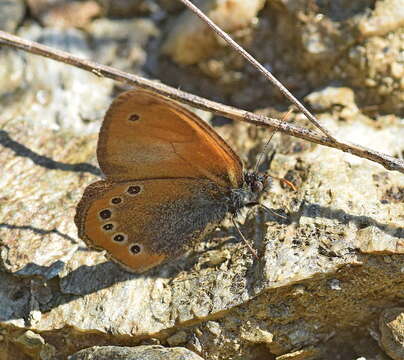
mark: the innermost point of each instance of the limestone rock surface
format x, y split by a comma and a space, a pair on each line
135, 353
330, 263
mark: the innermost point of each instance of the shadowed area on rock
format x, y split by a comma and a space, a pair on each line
328, 282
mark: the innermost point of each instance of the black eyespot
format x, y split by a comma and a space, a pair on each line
134, 189
108, 227
134, 117
105, 214
135, 249
119, 238
116, 200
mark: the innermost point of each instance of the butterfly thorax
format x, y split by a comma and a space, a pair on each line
254, 186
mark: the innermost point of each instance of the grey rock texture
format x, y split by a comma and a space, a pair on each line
64, 14
328, 271
136, 353
11, 14
190, 41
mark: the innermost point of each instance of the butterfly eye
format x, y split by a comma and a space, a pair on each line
119, 238
108, 227
116, 200
134, 190
105, 214
257, 186
133, 117
135, 249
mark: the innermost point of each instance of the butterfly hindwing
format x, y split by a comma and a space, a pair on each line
141, 223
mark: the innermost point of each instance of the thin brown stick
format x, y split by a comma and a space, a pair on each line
257, 65
389, 162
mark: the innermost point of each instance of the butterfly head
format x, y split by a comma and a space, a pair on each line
255, 185
258, 183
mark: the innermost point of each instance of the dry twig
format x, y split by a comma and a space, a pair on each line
389, 162
258, 66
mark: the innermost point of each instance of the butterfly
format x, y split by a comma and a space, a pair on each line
169, 180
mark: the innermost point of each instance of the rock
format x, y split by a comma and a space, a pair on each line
31, 340
34, 345
391, 325
79, 289
334, 284
387, 16
44, 99
64, 14
214, 327
330, 97
128, 8
50, 103
134, 353
255, 334
317, 46
179, 338
370, 241
11, 14
379, 75
216, 257
190, 40
310, 353
323, 271
121, 43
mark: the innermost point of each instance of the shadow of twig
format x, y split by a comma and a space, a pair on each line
361, 221
38, 231
44, 161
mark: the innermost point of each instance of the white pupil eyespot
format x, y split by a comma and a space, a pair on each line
135, 249
119, 237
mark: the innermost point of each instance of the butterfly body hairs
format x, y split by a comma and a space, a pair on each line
170, 179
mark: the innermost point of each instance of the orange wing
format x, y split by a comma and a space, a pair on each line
146, 136
144, 222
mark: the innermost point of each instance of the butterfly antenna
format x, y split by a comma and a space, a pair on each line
265, 150
244, 239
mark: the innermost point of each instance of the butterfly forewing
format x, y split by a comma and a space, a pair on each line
146, 136
142, 223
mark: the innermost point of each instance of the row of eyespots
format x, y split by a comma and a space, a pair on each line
122, 238
131, 190
106, 214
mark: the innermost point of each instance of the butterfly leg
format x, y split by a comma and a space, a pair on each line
244, 239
